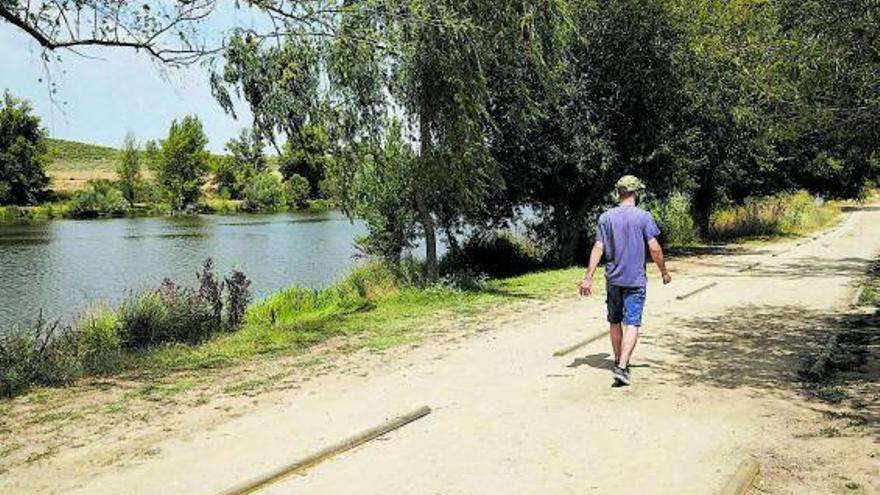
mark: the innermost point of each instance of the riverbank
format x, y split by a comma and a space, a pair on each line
217, 206
214, 426
371, 299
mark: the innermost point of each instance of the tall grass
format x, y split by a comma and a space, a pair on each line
105, 339
785, 214
41, 353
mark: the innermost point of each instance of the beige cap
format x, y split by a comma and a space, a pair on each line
630, 183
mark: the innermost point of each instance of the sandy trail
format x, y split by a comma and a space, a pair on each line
713, 383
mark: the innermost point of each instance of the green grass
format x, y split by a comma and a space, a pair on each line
368, 303
64, 149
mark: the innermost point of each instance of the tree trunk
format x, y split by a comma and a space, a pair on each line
427, 222
424, 212
570, 225
704, 201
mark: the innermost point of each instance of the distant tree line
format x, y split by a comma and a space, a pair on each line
181, 166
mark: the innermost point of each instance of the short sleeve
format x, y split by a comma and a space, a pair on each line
650, 229
601, 234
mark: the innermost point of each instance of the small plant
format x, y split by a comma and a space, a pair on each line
39, 354
832, 394
99, 345
238, 297
830, 431
852, 485
211, 290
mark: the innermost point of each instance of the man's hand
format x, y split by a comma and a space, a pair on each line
666, 278
586, 287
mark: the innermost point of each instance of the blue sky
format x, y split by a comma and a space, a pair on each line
98, 101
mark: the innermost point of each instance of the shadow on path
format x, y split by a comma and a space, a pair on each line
756, 346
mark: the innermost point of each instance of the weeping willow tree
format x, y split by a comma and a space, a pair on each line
432, 74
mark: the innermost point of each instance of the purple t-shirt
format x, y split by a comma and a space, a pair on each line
625, 232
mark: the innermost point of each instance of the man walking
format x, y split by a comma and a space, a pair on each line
623, 235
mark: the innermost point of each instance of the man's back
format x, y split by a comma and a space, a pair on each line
624, 232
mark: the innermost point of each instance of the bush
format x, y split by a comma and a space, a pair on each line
497, 254
41, 354
774, 215
99, 199
99, 342
673, 216
238, 297
296, 191
264, 192
170, 314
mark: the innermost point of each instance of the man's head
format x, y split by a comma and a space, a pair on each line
629, 186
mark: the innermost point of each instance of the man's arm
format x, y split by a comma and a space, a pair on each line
657, 256
586, 285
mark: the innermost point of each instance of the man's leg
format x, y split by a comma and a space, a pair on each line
630, 337
634, 304
616, 333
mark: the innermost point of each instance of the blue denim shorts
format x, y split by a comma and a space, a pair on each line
625, 304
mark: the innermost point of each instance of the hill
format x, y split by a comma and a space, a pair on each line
61, 150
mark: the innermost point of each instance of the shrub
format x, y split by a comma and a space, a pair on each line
99, 343
238, 298
170, 314
99, 199
783, 214
296, 191
211, 290
497, 254
34, 355
673, 216
263, 192
188, 317
142, 316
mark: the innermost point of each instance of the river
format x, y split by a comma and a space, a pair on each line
63, 267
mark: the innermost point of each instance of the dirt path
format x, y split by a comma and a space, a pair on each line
715, 381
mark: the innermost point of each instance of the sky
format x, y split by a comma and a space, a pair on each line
99, 100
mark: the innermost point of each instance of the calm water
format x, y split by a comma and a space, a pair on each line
65, 266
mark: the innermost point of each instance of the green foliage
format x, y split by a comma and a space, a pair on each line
778, 215
674, 218
307, 154
263, 192
22, 153
129, 169
41, 354
170, 314
183, 162
380, 192
279, 82
65, 150
497, 254
100, 198
246, 160
99, 342
296, 191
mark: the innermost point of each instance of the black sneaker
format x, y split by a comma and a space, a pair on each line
621, 375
